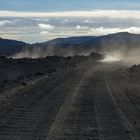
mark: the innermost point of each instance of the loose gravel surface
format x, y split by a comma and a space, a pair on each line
80, 103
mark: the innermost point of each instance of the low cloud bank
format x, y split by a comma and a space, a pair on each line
46, 26
4, 22
92, 13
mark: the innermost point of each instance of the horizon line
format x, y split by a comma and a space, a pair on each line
78, 13
70, 37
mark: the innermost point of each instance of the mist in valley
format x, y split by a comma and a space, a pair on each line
126, 56
123, 54
40, 52
122, 46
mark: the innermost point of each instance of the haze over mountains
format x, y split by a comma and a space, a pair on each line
119, 45
8, 47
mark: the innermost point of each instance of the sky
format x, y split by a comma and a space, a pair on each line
42, 20
64, 5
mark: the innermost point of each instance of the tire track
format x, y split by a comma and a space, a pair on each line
109, 124
31, 115
76, 119
25, 118
121, 107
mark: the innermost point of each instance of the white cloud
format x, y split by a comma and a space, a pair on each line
135, 30
104, 31
65, 20
87, 21
78, 27
46, 26
4, 22
40, 19
44, 32
94, 13
91, 21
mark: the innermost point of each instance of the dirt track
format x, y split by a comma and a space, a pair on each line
83, 103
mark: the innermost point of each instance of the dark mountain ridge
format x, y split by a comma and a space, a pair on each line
8, 46
71, 46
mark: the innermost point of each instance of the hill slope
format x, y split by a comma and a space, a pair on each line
82, 45
10, 46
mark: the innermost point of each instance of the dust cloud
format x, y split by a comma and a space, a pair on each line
112, 57
43, 51
124, 54
127, 56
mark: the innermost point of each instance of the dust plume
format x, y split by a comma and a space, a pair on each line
128, 56
52, 50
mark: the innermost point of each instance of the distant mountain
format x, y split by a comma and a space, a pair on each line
123, 41
59, 47
117, 41
8, 47
70, 40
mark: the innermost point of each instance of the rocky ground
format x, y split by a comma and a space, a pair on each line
74, 98
13, 71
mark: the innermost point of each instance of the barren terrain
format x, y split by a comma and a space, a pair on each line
85, 100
